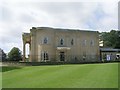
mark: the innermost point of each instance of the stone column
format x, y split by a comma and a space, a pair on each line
33, 48
24, 51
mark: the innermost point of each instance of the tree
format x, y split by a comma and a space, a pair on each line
14, 54
111, 39
2, 55
117, 43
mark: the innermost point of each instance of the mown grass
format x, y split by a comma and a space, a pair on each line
62, 76
0, 77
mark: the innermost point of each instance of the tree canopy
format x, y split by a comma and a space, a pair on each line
111, 39
3, 55
14, 54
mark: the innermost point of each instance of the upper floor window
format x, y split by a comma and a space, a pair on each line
84, 42
61, 42
92, 42
45, 40
72, 42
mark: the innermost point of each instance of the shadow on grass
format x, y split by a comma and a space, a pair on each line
8, 68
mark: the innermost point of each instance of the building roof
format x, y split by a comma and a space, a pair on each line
63, 29
109, 50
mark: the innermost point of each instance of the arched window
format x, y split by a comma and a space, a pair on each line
61, 41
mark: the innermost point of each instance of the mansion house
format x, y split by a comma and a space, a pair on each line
61, 45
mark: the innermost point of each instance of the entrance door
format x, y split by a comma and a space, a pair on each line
62, 56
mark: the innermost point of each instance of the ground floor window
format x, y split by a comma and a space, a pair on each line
84, 55
44, 56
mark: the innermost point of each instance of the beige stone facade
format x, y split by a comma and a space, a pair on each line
61, 45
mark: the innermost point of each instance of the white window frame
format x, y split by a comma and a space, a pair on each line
44, 58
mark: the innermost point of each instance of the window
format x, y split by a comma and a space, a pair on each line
92, 43
84, 42
61, 41
47, 56
72, 42
44, 56
92, 55
45, 40
84, 55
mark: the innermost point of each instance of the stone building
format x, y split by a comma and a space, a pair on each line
109, 54
61, 45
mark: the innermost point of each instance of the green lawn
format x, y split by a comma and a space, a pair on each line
62, 76
0, 78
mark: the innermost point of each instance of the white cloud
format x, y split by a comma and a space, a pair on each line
19, 16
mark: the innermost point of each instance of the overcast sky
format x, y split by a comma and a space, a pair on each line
17, 16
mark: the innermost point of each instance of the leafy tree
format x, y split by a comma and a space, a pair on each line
14, 54
111, 39
117, 43
3, 54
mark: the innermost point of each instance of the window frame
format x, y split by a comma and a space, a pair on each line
84, 42
62, 41
45, 40
44, 56
72, 42
92, 43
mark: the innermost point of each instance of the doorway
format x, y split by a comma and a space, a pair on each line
62, 56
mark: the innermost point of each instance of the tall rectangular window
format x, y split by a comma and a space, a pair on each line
84, 55
92, 55
84, 42
92, 42
72, 42
44, 56
61, 41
